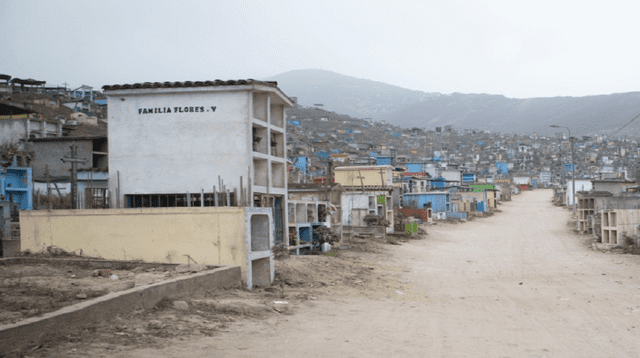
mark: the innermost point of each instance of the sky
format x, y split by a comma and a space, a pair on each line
520, 49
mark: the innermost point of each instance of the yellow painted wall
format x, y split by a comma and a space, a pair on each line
209, 235
348, 176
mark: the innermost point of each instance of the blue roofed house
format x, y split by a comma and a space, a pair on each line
502, 167
415, 167
383, 160
469, 178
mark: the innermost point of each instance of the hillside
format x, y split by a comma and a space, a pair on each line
408, 108
344, 94
584, 115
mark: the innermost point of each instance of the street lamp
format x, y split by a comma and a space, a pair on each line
573, 167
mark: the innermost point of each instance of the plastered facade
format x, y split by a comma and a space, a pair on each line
209, 132
230, 236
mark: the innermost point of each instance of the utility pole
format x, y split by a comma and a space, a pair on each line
573, 167
573, 172
74, 160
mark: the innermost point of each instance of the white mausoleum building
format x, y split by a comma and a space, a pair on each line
174, 143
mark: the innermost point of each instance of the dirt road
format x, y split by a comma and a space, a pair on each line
518, 284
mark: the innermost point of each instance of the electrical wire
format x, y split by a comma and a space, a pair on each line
621, 128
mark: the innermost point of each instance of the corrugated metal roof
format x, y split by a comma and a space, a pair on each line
189, 84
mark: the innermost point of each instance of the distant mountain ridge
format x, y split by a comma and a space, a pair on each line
344, 94
409, 108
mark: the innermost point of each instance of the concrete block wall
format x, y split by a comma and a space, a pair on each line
618, 223
462, 215
230, 236
260, 236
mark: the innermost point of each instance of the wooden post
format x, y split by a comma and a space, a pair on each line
188, 200
235, 197
74, 160
118, 189
215, 195
48, 187
242, 203
228, 196
202, 199
223, 199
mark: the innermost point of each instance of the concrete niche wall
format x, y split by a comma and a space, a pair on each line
259, 232
260, 238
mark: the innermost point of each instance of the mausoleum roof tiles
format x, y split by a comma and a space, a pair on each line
189, 84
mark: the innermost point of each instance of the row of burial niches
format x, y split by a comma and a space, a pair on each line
307, 212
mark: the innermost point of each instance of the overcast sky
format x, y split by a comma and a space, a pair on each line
516, 48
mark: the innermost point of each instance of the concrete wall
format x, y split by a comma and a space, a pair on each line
491, 195
617, 223
12, 130
165, 153
31, 332
355, 206
522, 180
467, 198
616, 202
613, 188
348, 176
581, 185
50, 152
424, 214
462, 216
452, 175
209, 235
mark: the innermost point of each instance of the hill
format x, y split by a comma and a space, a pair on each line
356, 97
399, 106
584, 115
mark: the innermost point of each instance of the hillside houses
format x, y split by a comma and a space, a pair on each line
451, 172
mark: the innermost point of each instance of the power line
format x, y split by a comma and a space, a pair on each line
621, 128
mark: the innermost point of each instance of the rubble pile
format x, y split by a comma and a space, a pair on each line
325, 235
400, 219
376, 220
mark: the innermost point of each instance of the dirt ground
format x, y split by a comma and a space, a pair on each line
29, 290
300, 282
518, 284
